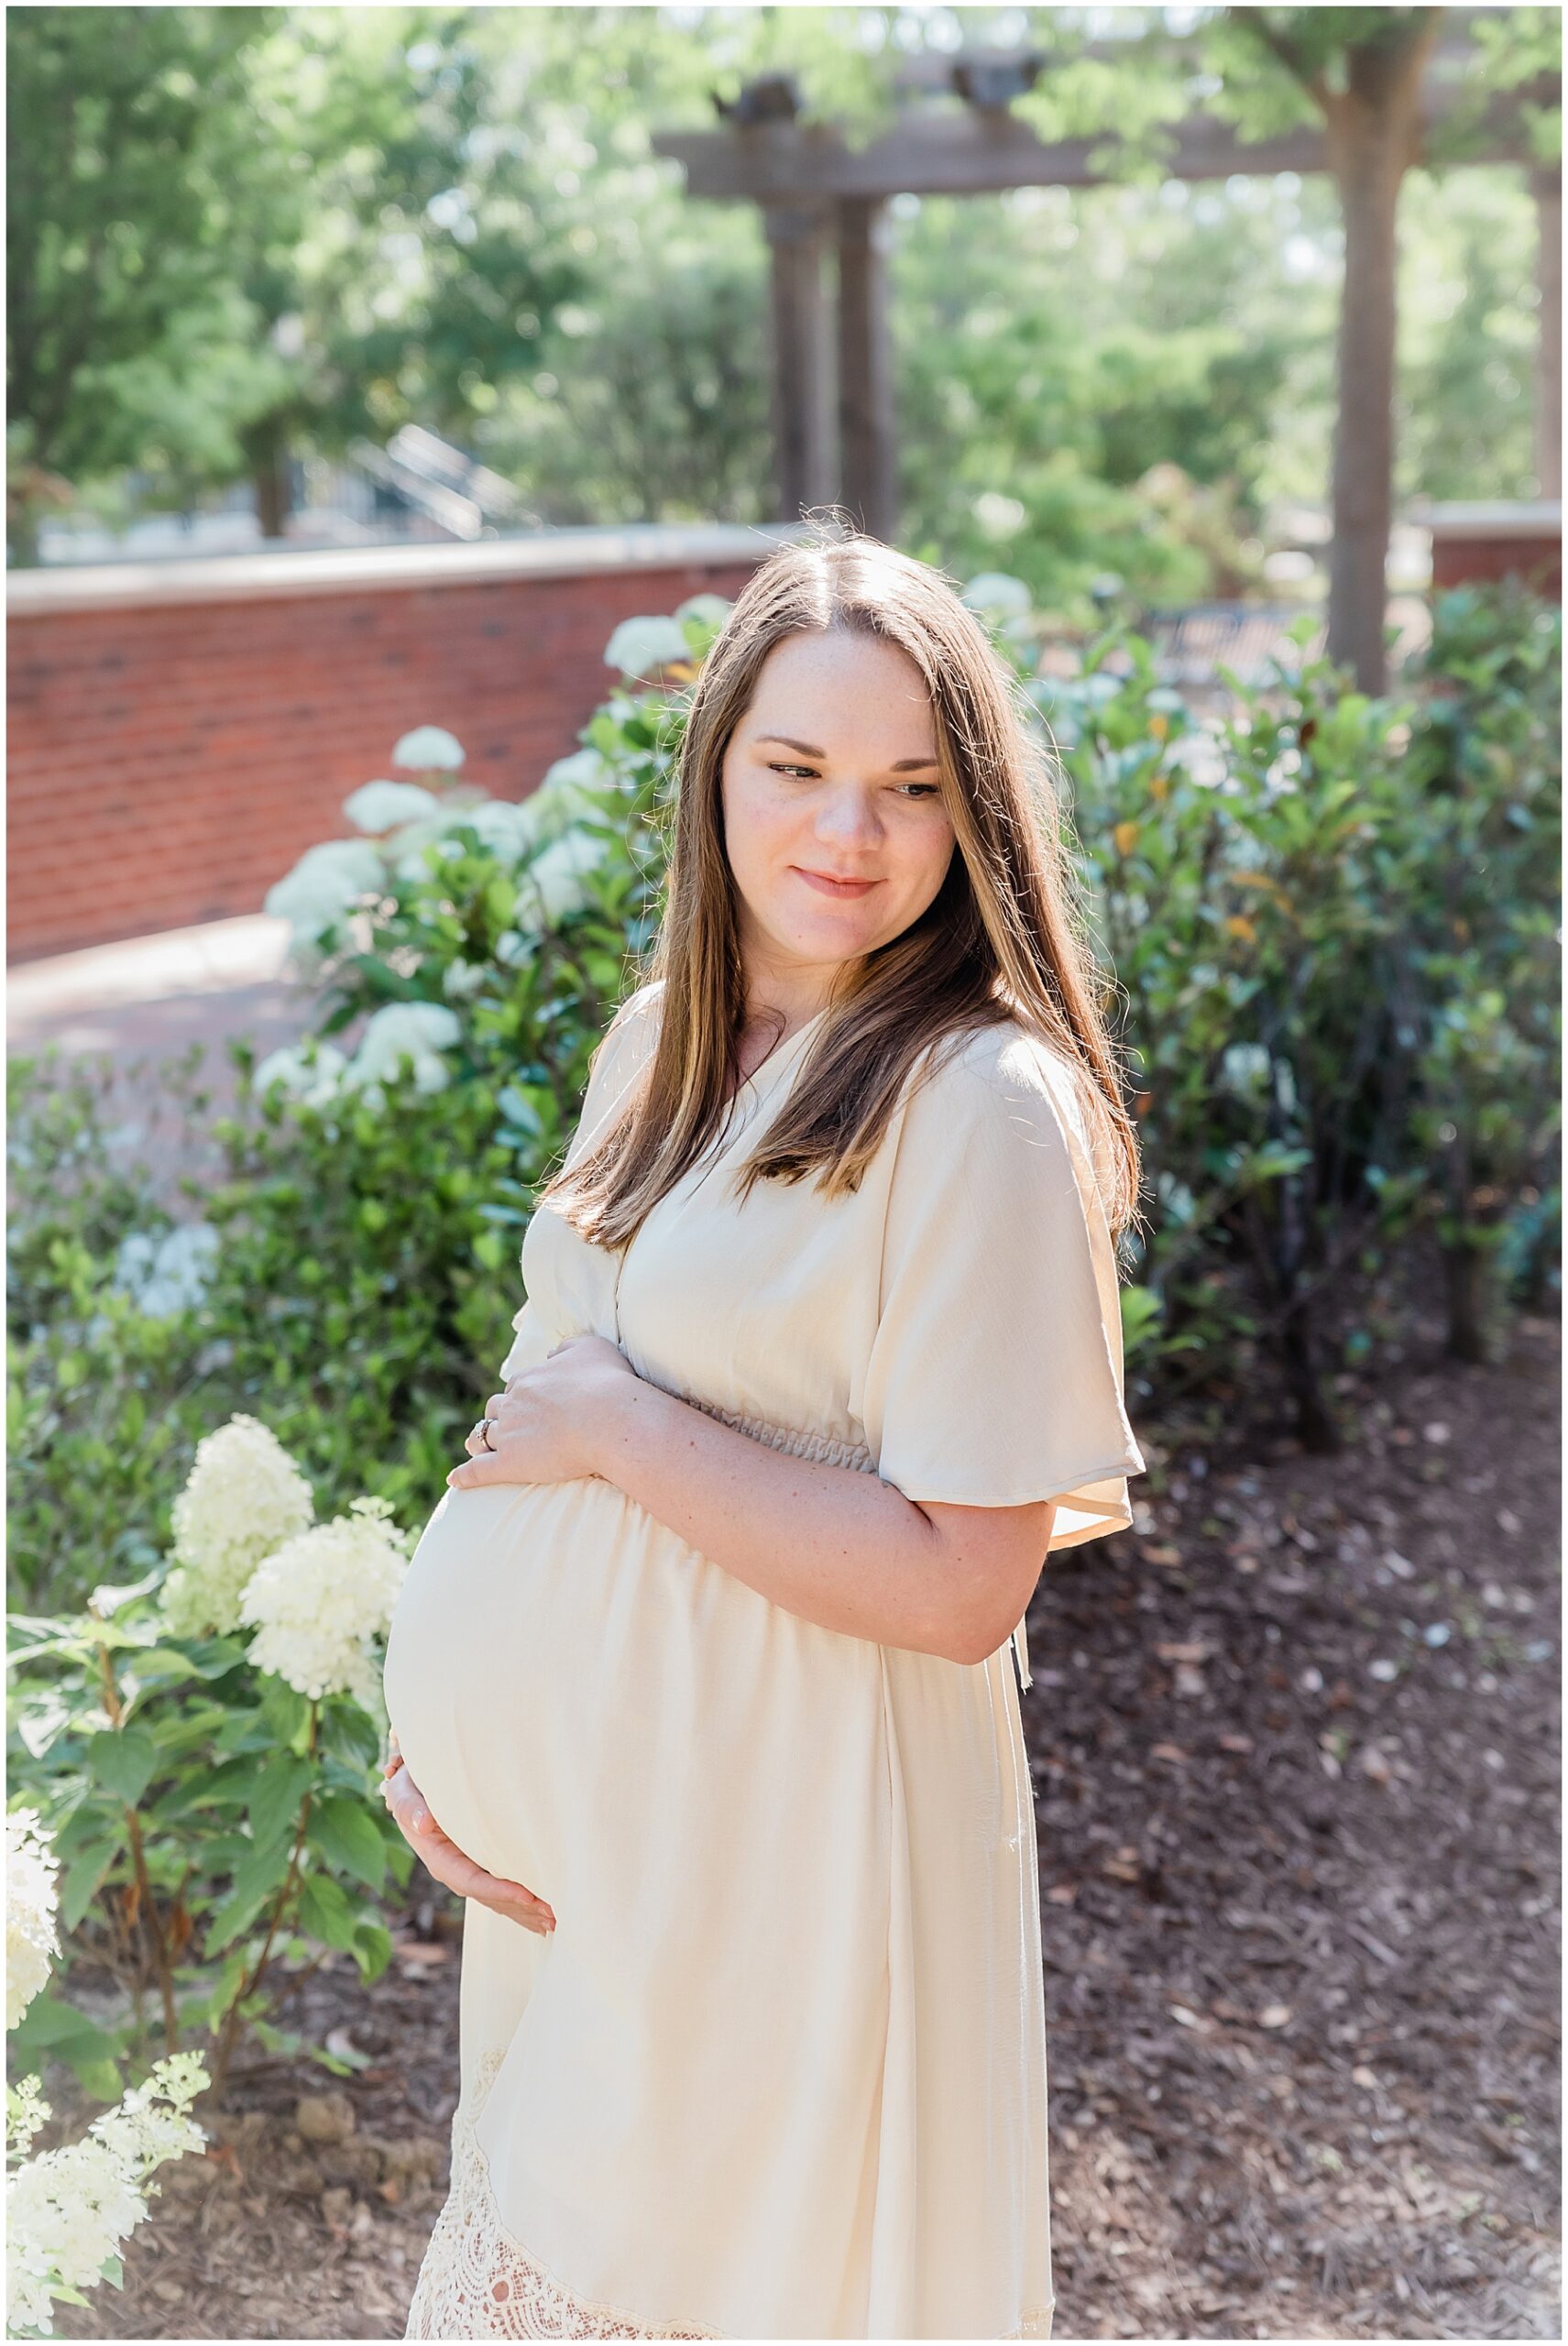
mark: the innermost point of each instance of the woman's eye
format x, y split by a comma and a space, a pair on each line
809, 773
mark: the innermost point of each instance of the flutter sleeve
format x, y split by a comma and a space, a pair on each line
996, 1373
621, 1053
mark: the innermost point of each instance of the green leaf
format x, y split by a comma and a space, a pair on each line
372, 1949
343, 1831
325, 1913
285, 1711
102, 2079
78, 1883
349, 1734
255, 1880
278, 1788
123, 1760
52, 2025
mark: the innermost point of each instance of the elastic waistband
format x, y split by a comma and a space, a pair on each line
827, 1449
831, 1451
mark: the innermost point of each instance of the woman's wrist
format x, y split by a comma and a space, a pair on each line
628, 1407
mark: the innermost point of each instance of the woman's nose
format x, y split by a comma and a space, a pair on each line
848, 820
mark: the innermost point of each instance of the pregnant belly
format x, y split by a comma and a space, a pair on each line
592, 1707
499, 1658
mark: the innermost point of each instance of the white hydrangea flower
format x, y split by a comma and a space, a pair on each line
585, 769
572, 787
141, 2130
382, 806
558, 874
711, 611
25, 2112
463, 980
244, 1496
428, 749
514, 949
314, 1080
505, 827
324, 883
406, 845
417, 1032
641, 645
68, 2209
168, 1273
31, 1936
317, 1603
998, 595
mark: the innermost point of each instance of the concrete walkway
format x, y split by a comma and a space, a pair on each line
156, 994
123, 1010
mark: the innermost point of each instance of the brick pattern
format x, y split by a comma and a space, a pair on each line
169, 761
1459, 560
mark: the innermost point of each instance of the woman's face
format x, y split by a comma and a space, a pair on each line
831, 777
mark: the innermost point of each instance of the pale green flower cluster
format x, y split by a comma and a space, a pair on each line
641, 645
68, 2211
168, 1274
411, 1032
244, 1496
324, 883
31, 1867
318, 1602
554, 843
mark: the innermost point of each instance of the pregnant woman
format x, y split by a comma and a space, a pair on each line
700, 1682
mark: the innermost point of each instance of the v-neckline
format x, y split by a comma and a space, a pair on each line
779, 1052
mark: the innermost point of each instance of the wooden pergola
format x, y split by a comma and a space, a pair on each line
833, 403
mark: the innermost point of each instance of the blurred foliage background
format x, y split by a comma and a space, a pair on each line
240, 235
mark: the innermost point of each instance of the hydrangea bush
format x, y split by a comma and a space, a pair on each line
204, 1744
70, 2208
1328, 919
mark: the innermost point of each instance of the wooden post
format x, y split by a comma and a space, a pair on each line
1547, 186
804, 454
866, 425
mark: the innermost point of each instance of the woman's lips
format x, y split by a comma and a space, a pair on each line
828, 886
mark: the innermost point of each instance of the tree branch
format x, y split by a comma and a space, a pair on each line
1288, 54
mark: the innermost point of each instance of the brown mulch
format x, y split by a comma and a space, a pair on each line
1294, 1742
1295, 1761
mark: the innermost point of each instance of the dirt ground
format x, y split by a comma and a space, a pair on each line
1295, 1743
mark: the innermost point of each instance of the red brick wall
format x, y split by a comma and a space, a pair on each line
169, 760
1458, 560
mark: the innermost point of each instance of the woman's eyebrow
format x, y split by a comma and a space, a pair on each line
904, 765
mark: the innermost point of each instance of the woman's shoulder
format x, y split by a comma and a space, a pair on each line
986, 1070
639, 1005
635, 1025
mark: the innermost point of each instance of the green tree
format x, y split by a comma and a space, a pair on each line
119, 120
1364, 73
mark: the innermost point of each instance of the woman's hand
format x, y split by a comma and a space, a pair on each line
446, 1862
543, 1428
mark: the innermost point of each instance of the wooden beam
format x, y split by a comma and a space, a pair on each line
984, 152
866, 434
804, 465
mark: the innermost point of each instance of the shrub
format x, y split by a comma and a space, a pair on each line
68, 2208
203, 1744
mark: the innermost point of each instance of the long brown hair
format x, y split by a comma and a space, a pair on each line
1005, 938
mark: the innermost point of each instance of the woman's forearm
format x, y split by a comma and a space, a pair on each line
835, 1545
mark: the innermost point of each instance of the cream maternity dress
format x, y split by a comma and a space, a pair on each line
780, 2070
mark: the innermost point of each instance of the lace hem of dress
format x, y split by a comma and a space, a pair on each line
477, 2282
